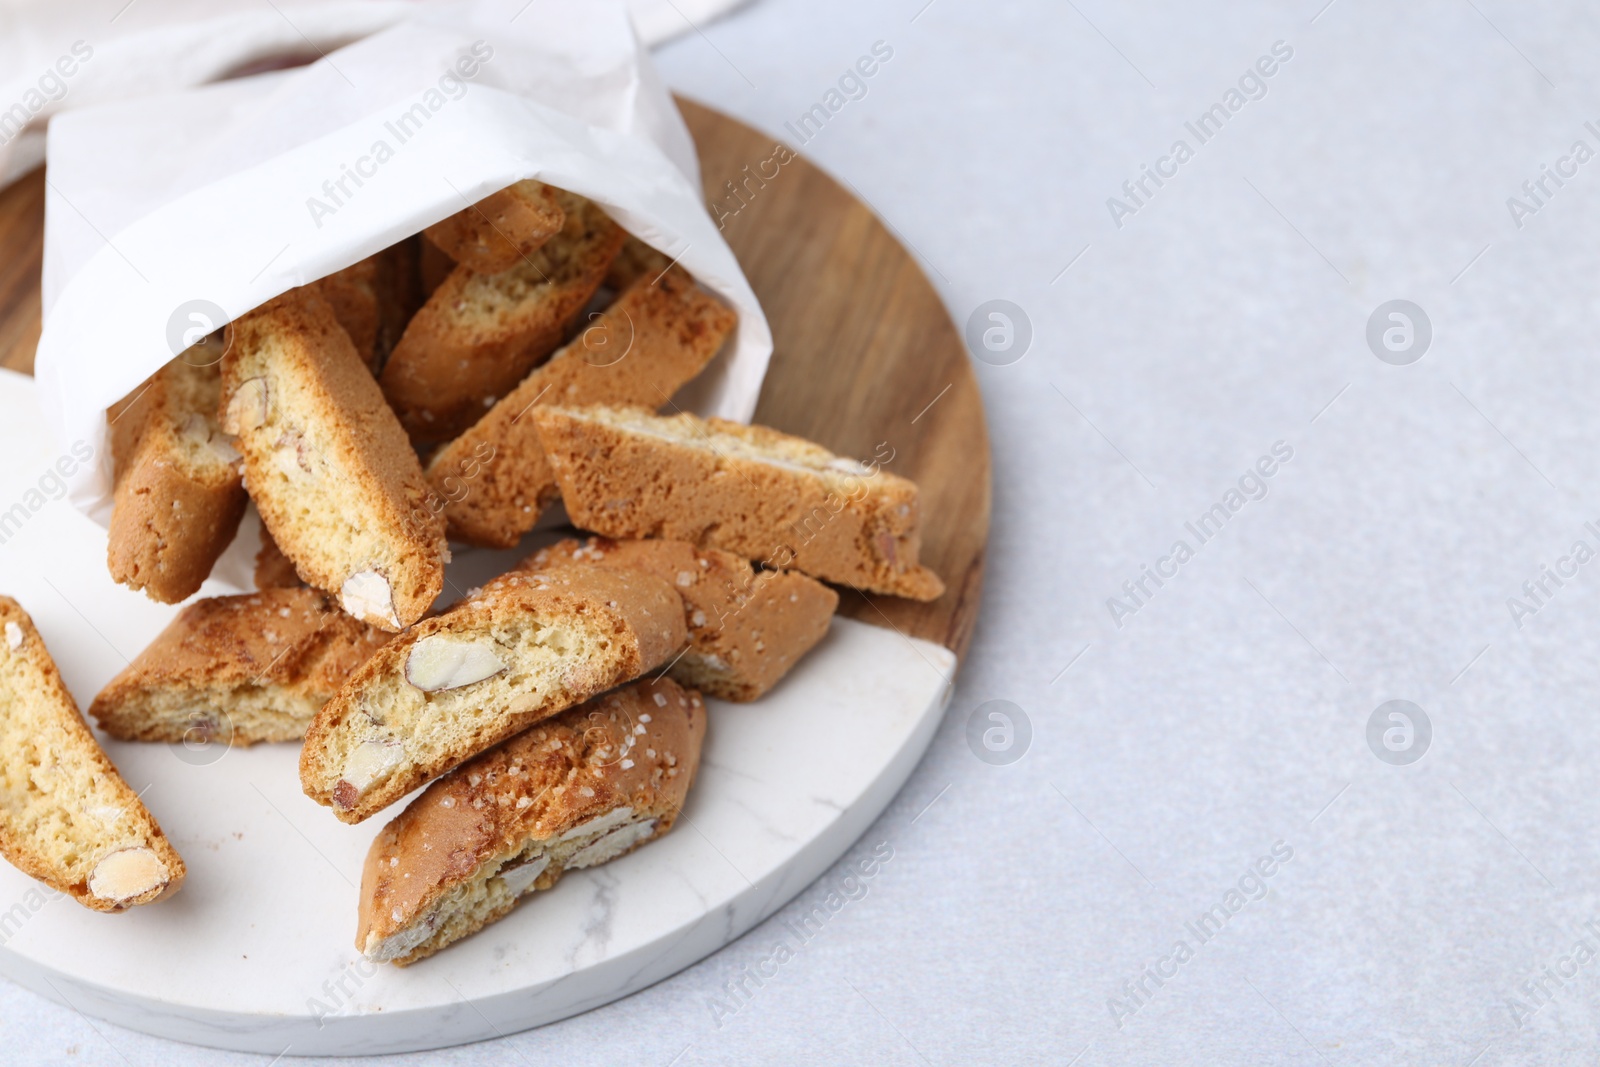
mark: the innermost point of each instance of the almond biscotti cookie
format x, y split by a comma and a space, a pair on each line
338, 485
274, 570
636, 260
238, 670
746, 627
528, 645
479, 334
433, 266
66, 816
375, 298
495, 233
574, 791
640, 350
765, 495
177, 499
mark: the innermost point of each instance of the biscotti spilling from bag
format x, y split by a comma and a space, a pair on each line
575, 791
66, 816
747, 628
656, 336
177, 499
236, 670
765, 495
336, 481
478, 335
529, 645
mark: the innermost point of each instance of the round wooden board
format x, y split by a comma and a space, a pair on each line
865, 351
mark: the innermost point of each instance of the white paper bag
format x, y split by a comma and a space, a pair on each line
226, 196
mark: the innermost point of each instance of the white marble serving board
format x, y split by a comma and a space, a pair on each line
256, 951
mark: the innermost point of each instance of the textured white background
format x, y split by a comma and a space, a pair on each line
1230, 712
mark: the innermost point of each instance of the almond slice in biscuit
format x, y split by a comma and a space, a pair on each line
559, 635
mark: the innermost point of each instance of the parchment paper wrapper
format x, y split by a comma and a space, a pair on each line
225, 196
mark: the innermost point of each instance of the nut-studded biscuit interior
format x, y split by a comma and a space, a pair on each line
574, 791
238, 670
496, 232
765, 495
337, 484
66, 816
655, 337
178, 498
530, 644
747, 628
478, 335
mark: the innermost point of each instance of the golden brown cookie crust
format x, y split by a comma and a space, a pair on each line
636, 747
177, 497
747, 628
478, 335
656, 336
238, 670
498, 231
765, 495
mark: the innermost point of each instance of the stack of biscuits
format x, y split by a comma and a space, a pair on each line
450, 389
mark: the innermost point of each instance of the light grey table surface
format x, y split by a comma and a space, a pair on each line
1421, 904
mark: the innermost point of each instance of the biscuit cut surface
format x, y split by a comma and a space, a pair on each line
574, 791
177, 497
764, 495
495, 233
66, 816
238, 670
478, 335
338, 485
649, 342
747, 628
528, 645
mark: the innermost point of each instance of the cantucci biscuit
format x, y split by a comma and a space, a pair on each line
338, 485
528, 645
66, 816
238, 670
480, 334
636, 260
649, 342
747, 628
495, 233
574, 791
374, 298
782, 500
177, 499
274, 570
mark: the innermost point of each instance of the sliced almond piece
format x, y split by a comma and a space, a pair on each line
367, 596
127, 873
444, 661
519, 880
247, 407
370, 761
